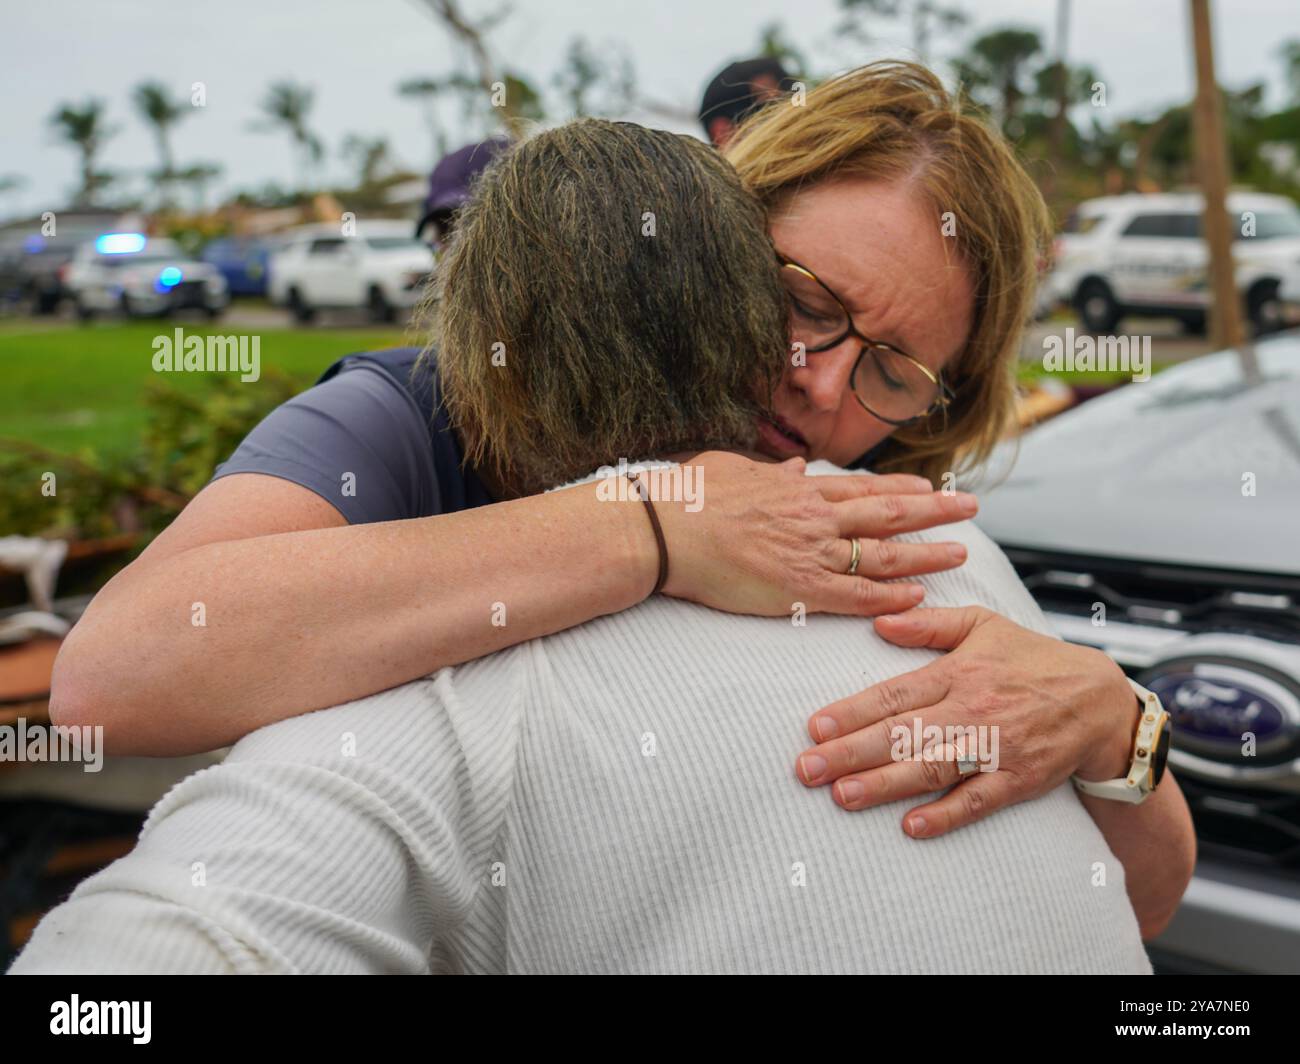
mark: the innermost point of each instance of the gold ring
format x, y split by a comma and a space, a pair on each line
856, 557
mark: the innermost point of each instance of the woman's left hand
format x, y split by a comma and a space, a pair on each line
1051, 709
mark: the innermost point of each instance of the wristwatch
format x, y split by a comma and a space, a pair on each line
1150, 754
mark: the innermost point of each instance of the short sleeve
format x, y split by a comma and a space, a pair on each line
357, 440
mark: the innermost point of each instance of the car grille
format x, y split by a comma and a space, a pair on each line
1185, 598
1252, 825
188, 294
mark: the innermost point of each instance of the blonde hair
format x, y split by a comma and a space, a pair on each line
895, 121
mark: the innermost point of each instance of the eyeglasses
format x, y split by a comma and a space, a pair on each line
888, 383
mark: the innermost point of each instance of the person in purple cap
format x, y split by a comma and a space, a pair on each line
449, 186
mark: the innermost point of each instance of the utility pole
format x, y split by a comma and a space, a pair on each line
1056, 131
1212, 166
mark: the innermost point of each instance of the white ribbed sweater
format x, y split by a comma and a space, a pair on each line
616, 798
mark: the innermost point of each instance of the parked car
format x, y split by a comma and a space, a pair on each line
35, 253
382, 269
142, 278
32, 267
1289, 292
31, 272
1161, 524
244, 263
1144, 254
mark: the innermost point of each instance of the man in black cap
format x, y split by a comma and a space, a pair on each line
736, 91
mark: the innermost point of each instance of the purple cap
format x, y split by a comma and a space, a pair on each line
451, 178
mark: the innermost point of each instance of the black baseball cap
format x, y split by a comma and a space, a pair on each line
731, 93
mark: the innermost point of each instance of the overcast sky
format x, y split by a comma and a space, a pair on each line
354, 52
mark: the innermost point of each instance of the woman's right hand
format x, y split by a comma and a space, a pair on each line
765, 536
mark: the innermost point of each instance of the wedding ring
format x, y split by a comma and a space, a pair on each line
967, 766
857, 557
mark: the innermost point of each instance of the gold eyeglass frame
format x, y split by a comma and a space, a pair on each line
940, 401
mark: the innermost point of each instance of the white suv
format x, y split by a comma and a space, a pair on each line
1143, 254
382, 268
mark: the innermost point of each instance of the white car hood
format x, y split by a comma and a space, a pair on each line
1155, 470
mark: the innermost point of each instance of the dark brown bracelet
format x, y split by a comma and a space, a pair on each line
635, 480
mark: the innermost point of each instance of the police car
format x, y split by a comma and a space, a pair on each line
1145, 255
142, 277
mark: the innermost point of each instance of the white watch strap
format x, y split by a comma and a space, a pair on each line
1137, 786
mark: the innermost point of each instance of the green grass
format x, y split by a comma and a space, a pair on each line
1030, 373
66, 387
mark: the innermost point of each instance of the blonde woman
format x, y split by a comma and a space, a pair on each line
908, 235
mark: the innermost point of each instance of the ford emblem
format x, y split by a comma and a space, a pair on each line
1216, 705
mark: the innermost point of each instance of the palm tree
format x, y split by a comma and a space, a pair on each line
286, 107
927, 18
371, 155
521, 101
579, 75
587, 73
425, 92
10, 183
86, 129
161, 112
997, 62
197, 176
1290, 54
773, 43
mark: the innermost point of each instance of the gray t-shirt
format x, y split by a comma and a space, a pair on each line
371, 438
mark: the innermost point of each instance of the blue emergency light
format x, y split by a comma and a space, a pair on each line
119, 243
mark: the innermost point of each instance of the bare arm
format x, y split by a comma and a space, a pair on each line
1156, 844
1154, 841
300, 611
